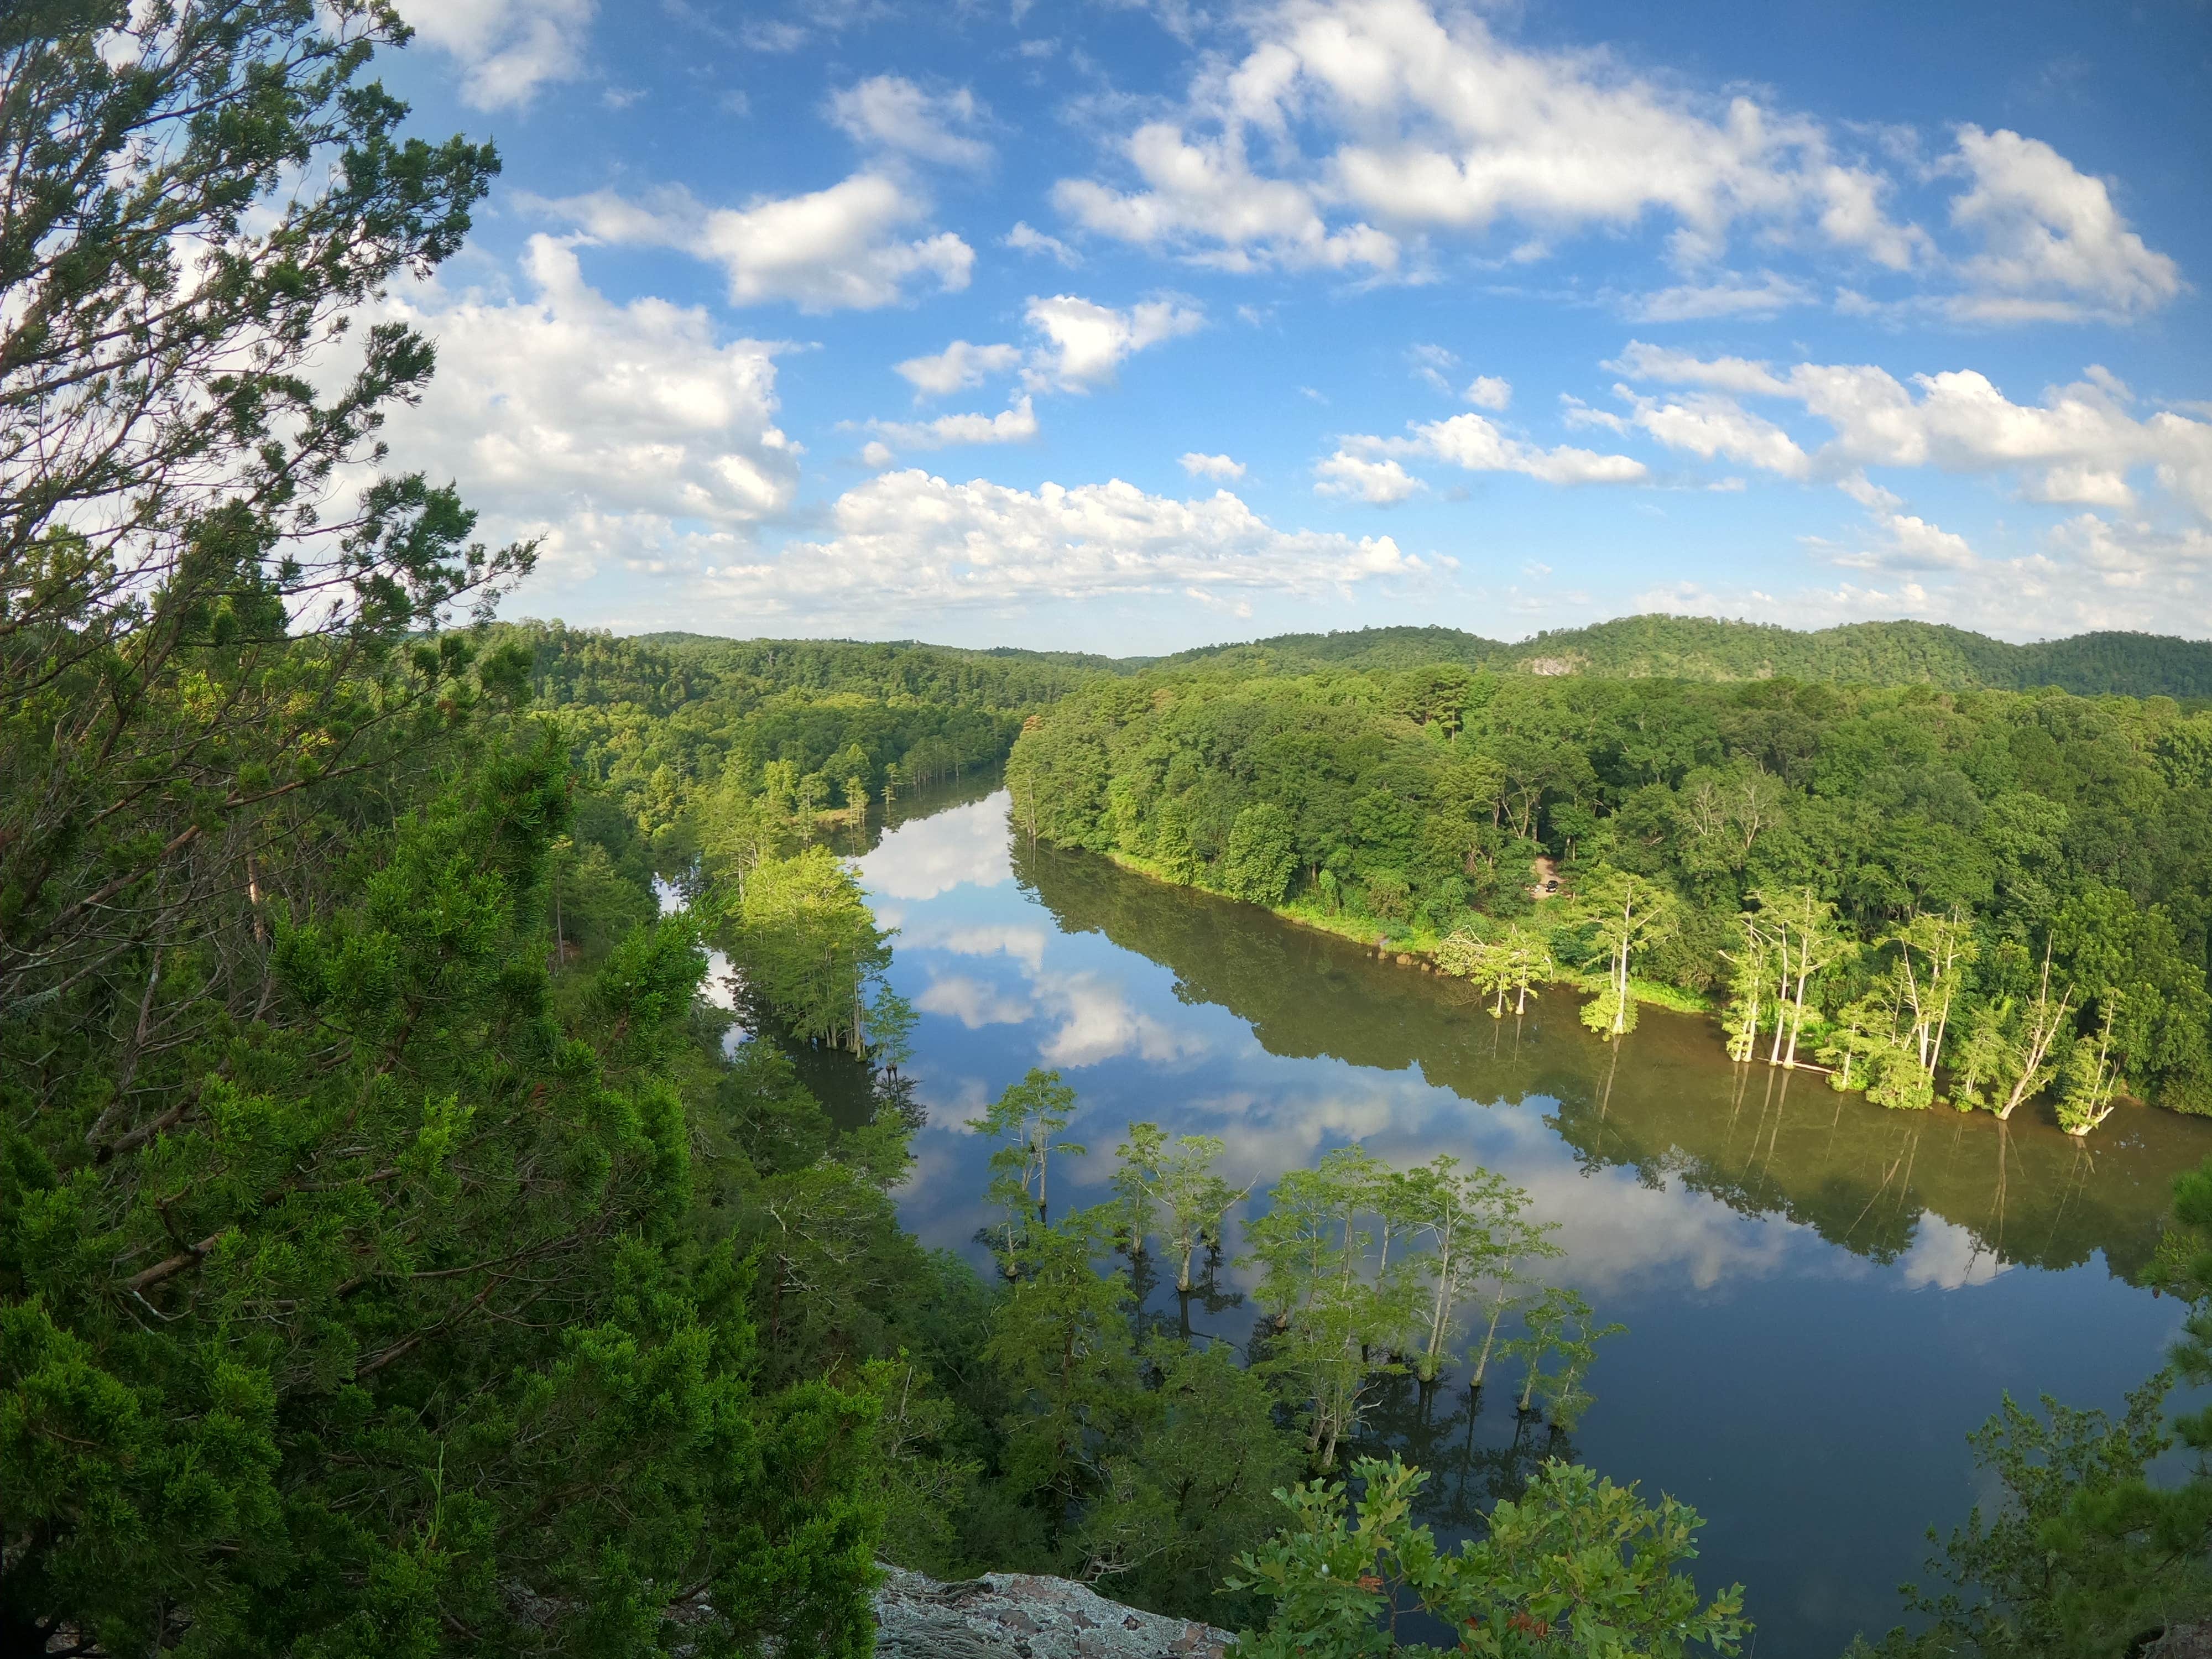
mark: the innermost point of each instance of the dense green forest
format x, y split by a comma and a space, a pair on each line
400, 1254
1707, 648
1881, 654
1976, 895
651, 726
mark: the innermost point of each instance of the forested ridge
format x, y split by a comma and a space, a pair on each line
1652, 646
1709, 648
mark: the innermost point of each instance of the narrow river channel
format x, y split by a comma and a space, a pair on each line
1822, 1296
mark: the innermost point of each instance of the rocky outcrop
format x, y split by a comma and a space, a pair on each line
2181, 1642
1012, 1615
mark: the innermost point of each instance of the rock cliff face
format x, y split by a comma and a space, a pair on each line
1007, 1615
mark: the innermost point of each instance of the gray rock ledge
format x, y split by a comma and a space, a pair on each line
1012, 1615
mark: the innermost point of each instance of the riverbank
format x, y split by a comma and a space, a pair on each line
1409, 944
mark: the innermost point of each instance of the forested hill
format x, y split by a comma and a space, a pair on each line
1628, 648
1004, 676
1704, 648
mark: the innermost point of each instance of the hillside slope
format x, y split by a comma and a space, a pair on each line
1703, 648
1628, 648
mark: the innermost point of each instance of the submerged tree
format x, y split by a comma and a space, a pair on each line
1624, 913
1508, 965
1195, 1198
1336, 1318
802, 937
1751, 967
1027, 1117
1136, 1181
1293, 1242
1986, 1055
1467, 956
1528, 962
1859, 1036
1933, 954
1176, 1180
1806, 941
2042, 1023
1557, 1325
1477, 1230
1576, 1564
2091, 1075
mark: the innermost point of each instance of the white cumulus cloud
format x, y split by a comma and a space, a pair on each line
1363, 136
1710, 425
1213, 466
1728, 296
1435, 364
1908, 542
843, 248
1430, 123
909, 540
1369, 467
2079, 445
2053, 243
1024, 238
1351, 475
1644, 361
891, 112
568, 416
1013, 425
1084, 342
2132, 553
1477, 444
507, 49
956, 367
1204, 191
1489, 391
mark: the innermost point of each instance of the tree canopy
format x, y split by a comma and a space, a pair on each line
1975, 896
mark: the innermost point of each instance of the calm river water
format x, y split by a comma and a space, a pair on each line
1822, 1296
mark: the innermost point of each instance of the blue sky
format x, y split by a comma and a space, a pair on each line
1128, 326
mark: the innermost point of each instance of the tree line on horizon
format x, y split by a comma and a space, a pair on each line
2109, 663
1714, 649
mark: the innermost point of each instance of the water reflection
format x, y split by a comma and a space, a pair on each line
1667, 1105
721, 987
961, 845
1216, 1003
1822, 1296
973, 1002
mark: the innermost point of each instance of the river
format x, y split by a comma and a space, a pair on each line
1822, 1296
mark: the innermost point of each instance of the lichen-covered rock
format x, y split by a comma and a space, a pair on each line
1012, 1615
2182, 1642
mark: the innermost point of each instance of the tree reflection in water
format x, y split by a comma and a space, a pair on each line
1781, 1255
